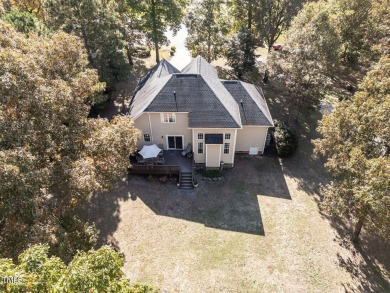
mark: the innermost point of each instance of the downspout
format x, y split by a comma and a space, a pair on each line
234, 145
150, 126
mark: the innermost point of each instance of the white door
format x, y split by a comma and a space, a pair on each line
213, 155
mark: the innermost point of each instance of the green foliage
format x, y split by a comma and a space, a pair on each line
356, 142
273, 17
240, 53
286, 140
52, 157
24, 22
213, 173
93, 271
154, 17
208, 26
101, 27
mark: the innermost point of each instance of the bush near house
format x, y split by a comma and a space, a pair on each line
286, 140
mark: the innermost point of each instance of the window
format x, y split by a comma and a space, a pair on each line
168, 118
200, 147
200, 136
146, 137
227, 135
226, 148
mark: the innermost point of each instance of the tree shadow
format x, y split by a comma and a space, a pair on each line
229, 204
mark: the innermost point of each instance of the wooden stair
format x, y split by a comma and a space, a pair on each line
186, 180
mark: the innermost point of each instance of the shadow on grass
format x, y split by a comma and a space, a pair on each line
230, 204
370, 264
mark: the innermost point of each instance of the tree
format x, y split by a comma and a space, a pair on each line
273, 17
100, 25
309, 59
155, 16
240, 53
93, 271
207, 29
52, 157
356, 142
24, 22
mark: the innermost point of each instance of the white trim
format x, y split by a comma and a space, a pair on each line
262, 126
234, 146
151, 131
168, 122
265, 138
182, 136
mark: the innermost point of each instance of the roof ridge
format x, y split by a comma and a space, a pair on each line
268, 114
239, 123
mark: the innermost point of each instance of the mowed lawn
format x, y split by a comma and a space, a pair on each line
257, 230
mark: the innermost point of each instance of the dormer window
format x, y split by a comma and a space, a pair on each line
168, 118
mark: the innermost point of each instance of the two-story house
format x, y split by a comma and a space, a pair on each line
218, 117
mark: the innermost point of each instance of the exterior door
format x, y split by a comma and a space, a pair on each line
175, 142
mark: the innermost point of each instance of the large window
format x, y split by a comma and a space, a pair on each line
200, 136
146, 137
227, 136
200, 147
168, 118
226, 148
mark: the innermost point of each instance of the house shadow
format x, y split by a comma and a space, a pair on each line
229, 204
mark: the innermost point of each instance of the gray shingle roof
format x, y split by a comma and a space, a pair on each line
254, 109
210, 102
200, 66
208, 106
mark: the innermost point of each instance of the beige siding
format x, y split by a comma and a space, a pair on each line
251, 136
226, 158
160, 130
213, 152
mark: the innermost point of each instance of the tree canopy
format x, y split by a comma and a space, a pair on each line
52, 156
100, 25
154, 17
356, 143
93, 271
208, 26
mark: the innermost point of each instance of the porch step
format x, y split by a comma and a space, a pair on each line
186, 180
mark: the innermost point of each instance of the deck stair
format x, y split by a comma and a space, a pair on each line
186, 180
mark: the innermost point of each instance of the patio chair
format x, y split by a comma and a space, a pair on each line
187, 151
161, 146
160, 161
140, 160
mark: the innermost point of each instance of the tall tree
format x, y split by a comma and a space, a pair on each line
52, 157
240, 53
93, 271
273, 17
155, 16
100, 25
307, 63
208, 26
356, 142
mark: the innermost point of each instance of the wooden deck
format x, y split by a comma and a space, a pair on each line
175, 163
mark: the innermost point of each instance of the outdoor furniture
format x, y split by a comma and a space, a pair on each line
150, 151
161, 146
187, 151
140, 160
160, 161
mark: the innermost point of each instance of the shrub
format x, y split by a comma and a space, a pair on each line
285, 139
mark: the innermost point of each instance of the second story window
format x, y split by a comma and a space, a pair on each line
200, 136
168, 118
227, 136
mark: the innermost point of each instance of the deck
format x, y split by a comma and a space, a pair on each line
175, 163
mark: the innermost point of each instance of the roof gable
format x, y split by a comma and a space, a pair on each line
252, 105
200, 66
